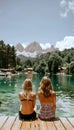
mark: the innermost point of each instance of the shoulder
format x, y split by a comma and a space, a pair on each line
53, 93
40, 90
33, 94
40, 94
20, 94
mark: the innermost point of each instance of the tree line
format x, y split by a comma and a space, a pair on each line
46, 63
51, 62
7, 55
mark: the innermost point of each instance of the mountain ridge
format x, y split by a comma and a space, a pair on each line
32, 50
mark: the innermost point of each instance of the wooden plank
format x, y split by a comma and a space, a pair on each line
17, 124
23, 125
59, 125
33, 126
13, 123
43, 125
71, 120
37, 124
9, 123
66, 124
29, 125
50, 125
2, 120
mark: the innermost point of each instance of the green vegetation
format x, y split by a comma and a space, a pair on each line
7, 55
46, 63
54, 62
50, 62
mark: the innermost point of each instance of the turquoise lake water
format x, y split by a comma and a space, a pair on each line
62, 84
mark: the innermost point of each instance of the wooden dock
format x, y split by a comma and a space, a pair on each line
13, 123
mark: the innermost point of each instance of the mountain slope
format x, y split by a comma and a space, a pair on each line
19, 47
32, 50
34, 47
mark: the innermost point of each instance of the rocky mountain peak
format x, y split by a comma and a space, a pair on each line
32, 50
33, 47
19, 47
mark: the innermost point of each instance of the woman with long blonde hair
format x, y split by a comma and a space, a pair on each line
28, 102
47, 98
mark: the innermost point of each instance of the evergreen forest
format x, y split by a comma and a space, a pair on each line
53, 62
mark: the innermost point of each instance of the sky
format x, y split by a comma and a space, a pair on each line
49, 22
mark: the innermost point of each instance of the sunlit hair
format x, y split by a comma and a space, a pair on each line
27, 85
46, 86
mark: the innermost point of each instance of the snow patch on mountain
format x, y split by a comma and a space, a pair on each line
27, 54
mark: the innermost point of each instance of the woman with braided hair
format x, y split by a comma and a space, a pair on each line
28, 102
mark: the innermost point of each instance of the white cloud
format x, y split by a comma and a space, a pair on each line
64, 13
66, 7
71, 5
45, 45
63, 3
66, 43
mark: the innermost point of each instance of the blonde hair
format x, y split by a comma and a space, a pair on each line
46, 86
27, 85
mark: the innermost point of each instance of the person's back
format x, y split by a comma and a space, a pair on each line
27, 105
47, 98
28, 101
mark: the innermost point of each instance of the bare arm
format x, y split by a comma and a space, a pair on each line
54, 101
20, 96
34, 100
